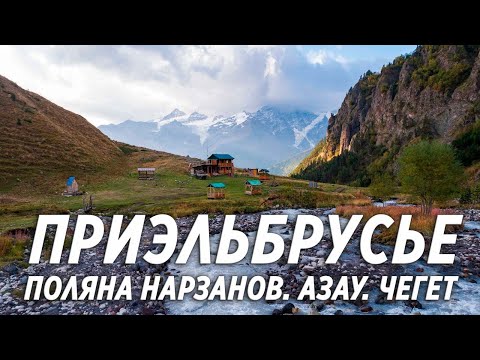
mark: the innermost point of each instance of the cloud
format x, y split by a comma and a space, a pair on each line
322, 56
114, 83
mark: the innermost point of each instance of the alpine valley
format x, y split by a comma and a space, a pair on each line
273, 137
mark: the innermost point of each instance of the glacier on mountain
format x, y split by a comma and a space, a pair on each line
256, 139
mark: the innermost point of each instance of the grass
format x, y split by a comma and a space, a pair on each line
421, 223
173, 193
12, 246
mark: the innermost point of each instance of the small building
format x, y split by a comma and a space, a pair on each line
201, 175
72, 186
220, 164
253, 187
216, 164
216, 190
264, 175
252, 172
146, 173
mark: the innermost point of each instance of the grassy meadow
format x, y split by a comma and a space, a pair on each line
117, 190
173, 193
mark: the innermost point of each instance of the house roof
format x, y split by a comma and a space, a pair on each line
70, 180
217, 185
221, 157
253, 182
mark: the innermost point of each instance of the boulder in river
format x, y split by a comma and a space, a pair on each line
366, 308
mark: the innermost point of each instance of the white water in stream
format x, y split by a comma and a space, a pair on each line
465, 296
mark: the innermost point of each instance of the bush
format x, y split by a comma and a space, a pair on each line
383, 186
470, 195
430, 171
127, 149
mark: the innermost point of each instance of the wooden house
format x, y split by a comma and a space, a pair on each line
216, 164
253, 187
146, 173
264, 175
72, 186
216, 190
220, 164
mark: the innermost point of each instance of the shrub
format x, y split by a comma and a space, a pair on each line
127, 149
383, 186
430, 171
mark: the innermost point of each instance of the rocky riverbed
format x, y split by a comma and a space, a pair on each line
465, 296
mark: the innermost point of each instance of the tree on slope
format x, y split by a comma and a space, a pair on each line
429, 170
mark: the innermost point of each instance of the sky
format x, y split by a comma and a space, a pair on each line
111, 84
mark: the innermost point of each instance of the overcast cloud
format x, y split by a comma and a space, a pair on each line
110, 84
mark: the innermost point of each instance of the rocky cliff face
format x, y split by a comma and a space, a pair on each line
432, 93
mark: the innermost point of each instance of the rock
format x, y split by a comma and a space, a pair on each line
140, 265
319, 306
147, 311
23, 280
312, 310
11, 269
308, 269
329, 302
320, 253
473, 281
338, 312
289, 308
414, 304
122, 311
277, 312
366, 308
358, 301
380, 299
305, 260
419, 269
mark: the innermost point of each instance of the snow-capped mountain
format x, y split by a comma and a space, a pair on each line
258, 139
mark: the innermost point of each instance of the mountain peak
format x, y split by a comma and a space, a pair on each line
197, 116
175, 113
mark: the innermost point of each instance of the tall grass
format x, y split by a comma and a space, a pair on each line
12, 246
420, 222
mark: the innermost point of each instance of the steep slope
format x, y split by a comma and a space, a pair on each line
432, 93
259, 139
42, 143
39, 137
